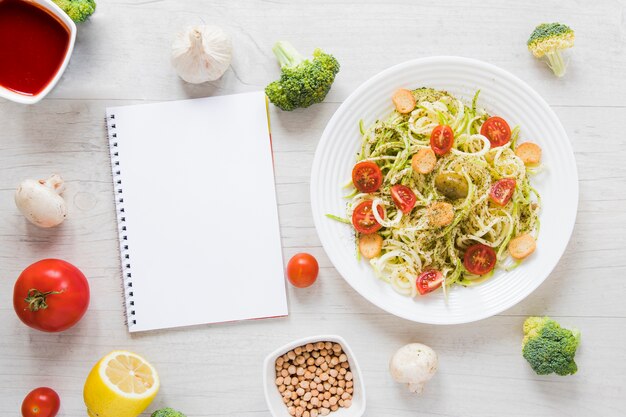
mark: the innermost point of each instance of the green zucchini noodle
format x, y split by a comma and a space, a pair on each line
410, 243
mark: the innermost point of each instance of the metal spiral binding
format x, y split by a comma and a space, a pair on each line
127, 282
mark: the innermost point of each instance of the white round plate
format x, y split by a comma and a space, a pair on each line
501, 94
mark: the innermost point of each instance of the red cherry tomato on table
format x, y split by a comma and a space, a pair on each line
479, 259
442, 139
403, 197
502, 191
302, 270
51, 295
497, 130
363, 218
367, 177
429, 281
41, 402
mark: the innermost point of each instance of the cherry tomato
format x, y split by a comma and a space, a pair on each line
502, 191
497, 130
51, 295
429, 281
367, 177
442, 139
302, 270
479, 259
363, 218
403, 197
41, 402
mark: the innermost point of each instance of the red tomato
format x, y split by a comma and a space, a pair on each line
363, 218
479, 259
41, 402
51, 295
367, 177
442, 139
497, 130
403, 197
429, 281
302, 270
502, 191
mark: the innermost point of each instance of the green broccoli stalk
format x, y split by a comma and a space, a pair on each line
549, 39
548, 347
167, 412
302, 81
77, 10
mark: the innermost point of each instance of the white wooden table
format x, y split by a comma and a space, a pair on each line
122, 57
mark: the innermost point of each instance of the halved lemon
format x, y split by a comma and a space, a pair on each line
122, 384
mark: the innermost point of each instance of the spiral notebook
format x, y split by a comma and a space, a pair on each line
196, 211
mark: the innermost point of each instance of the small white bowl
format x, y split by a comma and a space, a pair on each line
63, 17
275, 401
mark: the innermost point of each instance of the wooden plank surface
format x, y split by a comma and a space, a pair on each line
122, 57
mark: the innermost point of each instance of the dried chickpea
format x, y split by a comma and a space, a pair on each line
314, 379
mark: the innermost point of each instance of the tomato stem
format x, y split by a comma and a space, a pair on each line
36, 299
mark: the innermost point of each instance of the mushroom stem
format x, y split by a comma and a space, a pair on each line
55, 182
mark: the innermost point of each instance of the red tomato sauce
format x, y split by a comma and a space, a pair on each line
33, 44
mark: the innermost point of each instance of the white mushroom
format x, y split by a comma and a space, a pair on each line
40, 201
413, 364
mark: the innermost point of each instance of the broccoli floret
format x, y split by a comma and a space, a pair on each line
167, 412
549, 39
428, 94
302, 81
548, 347
77, 10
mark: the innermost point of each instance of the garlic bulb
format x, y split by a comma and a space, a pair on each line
201, 53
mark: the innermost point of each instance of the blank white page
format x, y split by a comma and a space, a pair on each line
197, 214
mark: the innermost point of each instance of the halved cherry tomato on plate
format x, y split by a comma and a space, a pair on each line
367, 177
442, 139
363, 218
429, 281
41, 402
497, 130
502, 191
479, 259
302, 270
403, 197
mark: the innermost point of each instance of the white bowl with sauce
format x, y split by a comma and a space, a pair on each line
16, 81
275, 401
